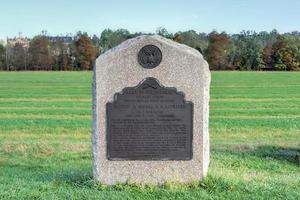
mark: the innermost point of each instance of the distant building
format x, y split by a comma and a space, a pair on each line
65, 39
24, 41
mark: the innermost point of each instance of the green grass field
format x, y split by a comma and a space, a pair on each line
45, 139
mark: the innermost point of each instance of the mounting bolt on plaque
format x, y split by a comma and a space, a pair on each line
149, 56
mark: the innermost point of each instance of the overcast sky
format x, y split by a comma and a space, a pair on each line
68, 16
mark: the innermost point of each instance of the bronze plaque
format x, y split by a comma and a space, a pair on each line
149, 122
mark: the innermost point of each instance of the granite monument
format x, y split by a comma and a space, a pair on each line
150, 113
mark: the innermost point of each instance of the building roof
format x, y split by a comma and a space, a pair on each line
64, 39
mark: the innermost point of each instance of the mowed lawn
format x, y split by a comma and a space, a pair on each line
45, 139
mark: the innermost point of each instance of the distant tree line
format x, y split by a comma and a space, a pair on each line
247, 50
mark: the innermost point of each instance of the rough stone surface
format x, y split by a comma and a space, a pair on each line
181, 67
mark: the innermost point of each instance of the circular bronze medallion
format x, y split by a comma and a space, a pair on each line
149, 56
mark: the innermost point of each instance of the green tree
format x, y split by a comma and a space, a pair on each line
61, 55
110, 38
246, 52
163, 32
97, 44
2, 57
40, 53
192, 39
19, 60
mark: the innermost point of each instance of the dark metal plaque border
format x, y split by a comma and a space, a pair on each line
147, 82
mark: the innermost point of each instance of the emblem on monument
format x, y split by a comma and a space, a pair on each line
149, 56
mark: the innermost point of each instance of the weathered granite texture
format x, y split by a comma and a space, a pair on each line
181, 67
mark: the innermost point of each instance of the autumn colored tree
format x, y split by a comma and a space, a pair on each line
40, 53
267, 56
293, 41
177, 38
216, 52
283, 57
246, 50
85, 52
